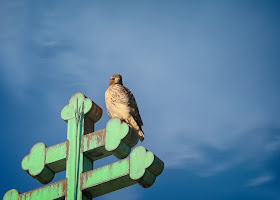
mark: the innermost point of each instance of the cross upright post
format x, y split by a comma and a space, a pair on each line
80, 114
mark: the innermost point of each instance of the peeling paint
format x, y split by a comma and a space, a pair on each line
76, 156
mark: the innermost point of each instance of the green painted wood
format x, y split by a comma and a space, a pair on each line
11, 195
35, 164
42, 163
95, 145
107, 179
56, 153
74, 114
105, 173
74, 161
76, 155
117, 139
53, 191
93, 140
90, 109
142, 167
56, 157
120, 138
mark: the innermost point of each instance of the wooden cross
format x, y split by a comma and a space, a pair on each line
82, 148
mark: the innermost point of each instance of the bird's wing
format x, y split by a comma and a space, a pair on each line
134, 111
121, 100
108, 102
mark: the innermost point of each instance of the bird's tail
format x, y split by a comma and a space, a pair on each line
141, 134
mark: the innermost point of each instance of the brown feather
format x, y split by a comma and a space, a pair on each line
121, 103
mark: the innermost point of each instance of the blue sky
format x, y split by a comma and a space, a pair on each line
205, 76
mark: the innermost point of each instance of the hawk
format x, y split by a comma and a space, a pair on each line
121, 103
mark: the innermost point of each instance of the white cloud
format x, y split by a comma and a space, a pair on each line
259, 180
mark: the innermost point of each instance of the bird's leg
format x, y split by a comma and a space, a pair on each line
122, 120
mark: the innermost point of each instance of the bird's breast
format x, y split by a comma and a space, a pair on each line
117, 103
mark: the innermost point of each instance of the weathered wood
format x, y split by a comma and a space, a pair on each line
142, 167
76, 156
53, 191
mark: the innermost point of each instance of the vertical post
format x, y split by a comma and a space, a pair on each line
80, 114
74, 163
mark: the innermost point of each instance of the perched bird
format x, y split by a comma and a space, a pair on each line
121, 103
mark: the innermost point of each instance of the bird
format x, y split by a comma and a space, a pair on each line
121, 103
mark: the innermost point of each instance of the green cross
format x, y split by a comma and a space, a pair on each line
82, 148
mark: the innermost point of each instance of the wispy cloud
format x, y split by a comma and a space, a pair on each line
260, 180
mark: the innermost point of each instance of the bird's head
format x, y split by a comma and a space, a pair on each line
115, 79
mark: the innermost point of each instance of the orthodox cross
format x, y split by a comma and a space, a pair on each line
82, 148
